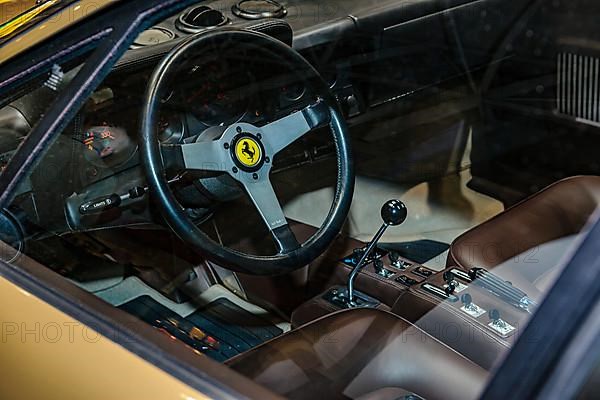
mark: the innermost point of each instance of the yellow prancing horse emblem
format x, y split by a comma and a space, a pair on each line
248, 152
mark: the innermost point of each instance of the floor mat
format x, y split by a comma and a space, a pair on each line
219, 330
418, 251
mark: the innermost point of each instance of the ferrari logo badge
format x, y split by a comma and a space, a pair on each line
248, 152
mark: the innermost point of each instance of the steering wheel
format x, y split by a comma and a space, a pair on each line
245, 152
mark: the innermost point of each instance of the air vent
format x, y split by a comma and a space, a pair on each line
578, 87
199, 18
153, 36
257, 9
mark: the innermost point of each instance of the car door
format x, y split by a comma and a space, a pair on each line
47, 354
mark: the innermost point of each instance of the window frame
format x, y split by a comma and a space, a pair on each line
106, 36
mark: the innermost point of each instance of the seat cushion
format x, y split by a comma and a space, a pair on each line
360, 353
556, 212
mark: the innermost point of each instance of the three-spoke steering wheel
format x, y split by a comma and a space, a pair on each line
246, 153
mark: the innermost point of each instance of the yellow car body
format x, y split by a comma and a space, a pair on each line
45, 354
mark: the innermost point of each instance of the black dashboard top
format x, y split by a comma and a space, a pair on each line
313, 22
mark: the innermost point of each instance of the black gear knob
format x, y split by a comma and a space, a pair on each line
394, 212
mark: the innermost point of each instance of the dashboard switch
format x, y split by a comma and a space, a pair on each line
396, 262
424, 272
497, 324
406, 280
439, 292
469, 307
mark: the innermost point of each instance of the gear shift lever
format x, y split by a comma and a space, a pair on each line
393, 213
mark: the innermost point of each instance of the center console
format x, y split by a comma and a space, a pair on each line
381, 283
474, 312
454, 306
384, 278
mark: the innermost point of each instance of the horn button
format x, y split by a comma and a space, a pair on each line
248, 152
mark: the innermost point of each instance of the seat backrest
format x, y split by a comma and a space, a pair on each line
560, 210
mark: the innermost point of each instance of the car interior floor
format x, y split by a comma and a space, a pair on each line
438, 212
178, 298
224, 323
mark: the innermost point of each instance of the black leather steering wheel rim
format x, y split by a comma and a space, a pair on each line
174, 214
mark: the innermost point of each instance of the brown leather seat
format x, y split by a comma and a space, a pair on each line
559, 211
361, 354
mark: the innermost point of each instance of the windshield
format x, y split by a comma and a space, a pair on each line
330, 207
